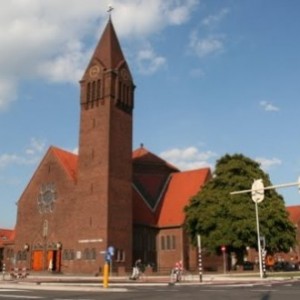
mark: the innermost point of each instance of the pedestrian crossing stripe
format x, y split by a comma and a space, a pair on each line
11, 296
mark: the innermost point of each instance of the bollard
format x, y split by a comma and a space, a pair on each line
3, 271
105, 275
264, 263
200, 258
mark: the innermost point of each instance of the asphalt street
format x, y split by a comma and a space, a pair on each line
261, 291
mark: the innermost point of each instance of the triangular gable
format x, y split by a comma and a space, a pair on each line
68, 160
142, 156
150, 186
150, 175
6, 236
142, 214
181, 188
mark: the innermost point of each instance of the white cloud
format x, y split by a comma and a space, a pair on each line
36, 147
149, 62
267, 163
6, 159
189, 158
267, 106
7, 92
206, 46
137, 18
31, 155
214, 20
66, 67
213, 43
48, 38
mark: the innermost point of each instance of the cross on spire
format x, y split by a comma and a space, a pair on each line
110, 9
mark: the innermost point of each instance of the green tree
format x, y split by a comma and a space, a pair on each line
224, 219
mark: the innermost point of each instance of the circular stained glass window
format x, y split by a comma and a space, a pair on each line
46, 198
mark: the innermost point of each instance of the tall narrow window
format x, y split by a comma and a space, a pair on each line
162, 243
173, 242
93, 90
129, 101
93, 253
168, 242
98, 89
120, 91
123, 94
88, 92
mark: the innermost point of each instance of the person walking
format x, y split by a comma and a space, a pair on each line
137, 269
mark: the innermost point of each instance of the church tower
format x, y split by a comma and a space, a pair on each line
105, 149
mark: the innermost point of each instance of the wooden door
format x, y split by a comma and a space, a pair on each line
37, 260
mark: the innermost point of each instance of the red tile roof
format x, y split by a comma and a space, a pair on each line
181, 188
68, 161
294, 213
6, 235
144, 156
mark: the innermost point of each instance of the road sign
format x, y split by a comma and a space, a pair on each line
223, 248
257, 191
111, 250
107, 257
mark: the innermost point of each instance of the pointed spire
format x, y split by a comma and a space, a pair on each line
108, 50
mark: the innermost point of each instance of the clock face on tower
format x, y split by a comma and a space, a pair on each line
124, 74
46, 198
94, 71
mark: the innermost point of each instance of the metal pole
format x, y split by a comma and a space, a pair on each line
258, 241
264, 262
200, 258
267, 188
3, 271
224, 262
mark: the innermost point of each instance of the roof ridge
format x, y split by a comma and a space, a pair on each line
141, 152
65, 158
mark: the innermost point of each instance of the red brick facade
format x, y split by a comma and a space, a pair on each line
76, 206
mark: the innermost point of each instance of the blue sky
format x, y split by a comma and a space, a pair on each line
212, 76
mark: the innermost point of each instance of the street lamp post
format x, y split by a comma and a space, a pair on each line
257, 193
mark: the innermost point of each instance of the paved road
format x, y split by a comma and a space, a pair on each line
267, 291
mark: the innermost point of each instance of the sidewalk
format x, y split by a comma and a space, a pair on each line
88, 283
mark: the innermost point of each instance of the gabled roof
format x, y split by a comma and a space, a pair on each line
144, 156
294, 213
6, 236
142, 214
68, 160
181, 188
150, 175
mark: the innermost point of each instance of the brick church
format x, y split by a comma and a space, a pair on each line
75, 207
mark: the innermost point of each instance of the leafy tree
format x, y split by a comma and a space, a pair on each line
224, 219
